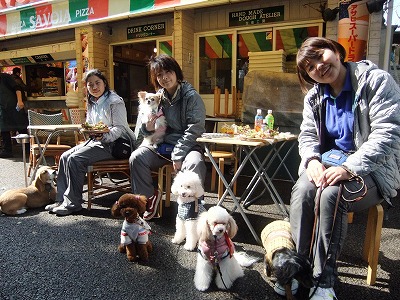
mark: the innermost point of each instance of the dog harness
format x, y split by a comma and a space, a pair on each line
215, 251
187, 211
276, 235
135, 232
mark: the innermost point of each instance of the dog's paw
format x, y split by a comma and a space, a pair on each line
189, 247
176, 241
21, 211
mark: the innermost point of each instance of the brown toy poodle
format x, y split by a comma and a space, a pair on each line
135, 231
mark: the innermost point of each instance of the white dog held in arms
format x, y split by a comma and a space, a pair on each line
187, 186
216, 228
149, 107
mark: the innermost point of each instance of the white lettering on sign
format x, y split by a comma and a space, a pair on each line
153, 27
270, 15
84, 12
50, 19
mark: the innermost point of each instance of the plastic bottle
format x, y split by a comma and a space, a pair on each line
269, 120
258, 120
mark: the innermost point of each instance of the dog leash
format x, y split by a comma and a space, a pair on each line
316, 216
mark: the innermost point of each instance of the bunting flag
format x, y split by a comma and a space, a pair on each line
216, 46
290, 40
166, 47
38, 16
253, 42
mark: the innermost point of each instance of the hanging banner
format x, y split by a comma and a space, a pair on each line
36, 15
353, 28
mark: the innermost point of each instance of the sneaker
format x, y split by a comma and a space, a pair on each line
280, 290
50, 207
152, 204
322, 294
65, 211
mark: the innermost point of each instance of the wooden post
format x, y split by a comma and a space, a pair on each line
234, 102
217, 99
226, 102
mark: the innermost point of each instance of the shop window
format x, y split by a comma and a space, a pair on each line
46, 80
291, 39
250, 42
215, 63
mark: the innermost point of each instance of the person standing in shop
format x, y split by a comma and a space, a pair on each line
11, 104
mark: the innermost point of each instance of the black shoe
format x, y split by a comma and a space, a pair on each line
5, 154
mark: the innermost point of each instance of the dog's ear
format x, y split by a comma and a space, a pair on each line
141, 203
41, 178
199, 189
232, 227
116, 210
203, 230
142, 96
176, 183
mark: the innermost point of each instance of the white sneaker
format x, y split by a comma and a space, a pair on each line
323, 294
50, 207
280, 290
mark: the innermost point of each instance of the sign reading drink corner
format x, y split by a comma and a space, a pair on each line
256, 16
145, 30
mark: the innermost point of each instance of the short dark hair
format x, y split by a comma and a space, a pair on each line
97, 72
311, 49
16, 70
163, 62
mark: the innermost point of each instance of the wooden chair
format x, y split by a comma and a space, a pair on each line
53, 149
164, 175
222, 156
97, 174
372, 240
100, 181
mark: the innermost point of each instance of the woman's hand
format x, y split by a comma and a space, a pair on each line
151, 123
314, 171
333, 175
177, 165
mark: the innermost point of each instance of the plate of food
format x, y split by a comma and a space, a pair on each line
95, 128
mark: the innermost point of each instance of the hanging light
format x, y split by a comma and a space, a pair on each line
329, 14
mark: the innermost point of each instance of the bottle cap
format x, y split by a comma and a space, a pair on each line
259, 111
270, 111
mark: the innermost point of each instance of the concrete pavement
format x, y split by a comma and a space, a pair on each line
43, 256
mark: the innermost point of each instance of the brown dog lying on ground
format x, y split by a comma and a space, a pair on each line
40, 193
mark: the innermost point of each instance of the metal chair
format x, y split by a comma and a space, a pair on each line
53, 149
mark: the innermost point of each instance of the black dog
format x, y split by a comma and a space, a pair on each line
282, 260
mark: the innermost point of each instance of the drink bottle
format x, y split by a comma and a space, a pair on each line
258, 120
269, 118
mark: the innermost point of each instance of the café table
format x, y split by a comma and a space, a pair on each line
52, 130
278, 150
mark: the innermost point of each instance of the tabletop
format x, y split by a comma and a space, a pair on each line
56, 127
227, 139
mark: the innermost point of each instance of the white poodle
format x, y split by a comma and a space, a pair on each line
216, 228
188, 187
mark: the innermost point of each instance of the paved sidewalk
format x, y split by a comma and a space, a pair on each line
43, 256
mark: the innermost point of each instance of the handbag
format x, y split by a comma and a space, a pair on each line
121, 148
334, 157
